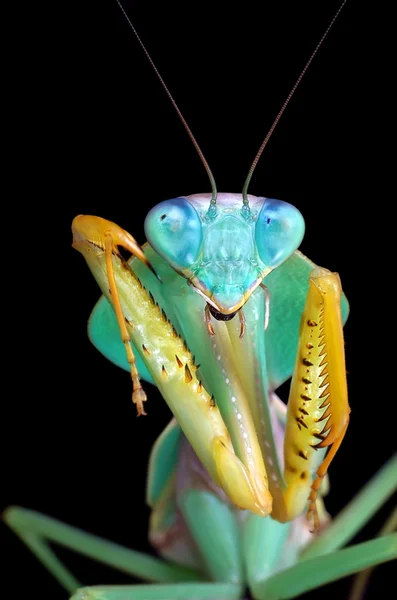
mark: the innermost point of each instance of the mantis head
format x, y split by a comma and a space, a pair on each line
224, 255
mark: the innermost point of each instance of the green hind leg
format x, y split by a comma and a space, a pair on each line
36, 530
315, 572
181, 591
361, 581
357, 513
321, 562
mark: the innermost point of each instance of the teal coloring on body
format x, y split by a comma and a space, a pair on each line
224, 253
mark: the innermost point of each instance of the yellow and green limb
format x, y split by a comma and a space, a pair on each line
234, 475
217, 382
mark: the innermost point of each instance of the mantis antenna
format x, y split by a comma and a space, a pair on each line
284, 106
174, 104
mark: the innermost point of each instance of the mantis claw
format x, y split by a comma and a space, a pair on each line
312, 515
96, 230
138, 398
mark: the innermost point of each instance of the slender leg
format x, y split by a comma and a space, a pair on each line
320, 474
311, 574
360, 583
357, 513
138, 395
36, 530
182, 591
107, 236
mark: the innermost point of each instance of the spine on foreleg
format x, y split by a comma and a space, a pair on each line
318, 410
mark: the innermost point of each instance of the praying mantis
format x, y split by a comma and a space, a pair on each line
152, 409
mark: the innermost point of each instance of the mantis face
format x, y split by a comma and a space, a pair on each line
226, 254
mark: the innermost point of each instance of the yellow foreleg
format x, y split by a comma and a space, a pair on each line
108, 236
318, 408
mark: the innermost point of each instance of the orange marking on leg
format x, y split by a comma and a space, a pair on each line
138, 395
321, 473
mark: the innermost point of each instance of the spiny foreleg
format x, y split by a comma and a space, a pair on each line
318, 409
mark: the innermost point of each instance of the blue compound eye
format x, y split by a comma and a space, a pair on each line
279, 231
173, 229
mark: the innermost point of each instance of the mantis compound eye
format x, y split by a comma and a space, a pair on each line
279, 231
173, 229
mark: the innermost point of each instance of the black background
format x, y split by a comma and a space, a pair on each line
93, 132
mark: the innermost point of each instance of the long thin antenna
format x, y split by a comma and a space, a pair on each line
174, 104
284, 106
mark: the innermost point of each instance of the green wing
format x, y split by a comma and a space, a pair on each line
163, 462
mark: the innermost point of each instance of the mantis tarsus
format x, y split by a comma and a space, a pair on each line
170, 195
